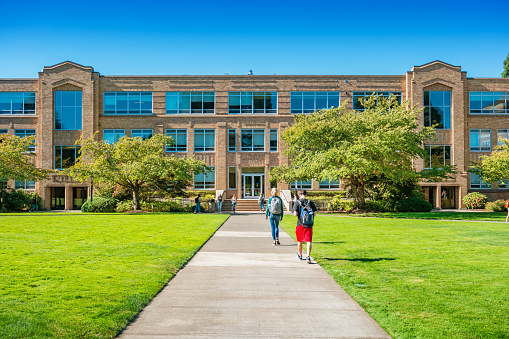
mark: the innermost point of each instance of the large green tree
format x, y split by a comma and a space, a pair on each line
379, 143
505, 73
133, 164
495, 166
16, 162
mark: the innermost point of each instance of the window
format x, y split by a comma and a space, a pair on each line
189, 102
142, 133
327, 184
111, 136
232, 140
301, 185
24, 185
273, 140
68, 110
480, 140
501, 133
65, 156
502, 184
204, 140
252, 140
232, 178
25, 133
3, 131
252, 102
489, 102
437, 109
437, 156
356, 96
17, 103
476, 182
205, 181
309, 102
127, 103
180, 138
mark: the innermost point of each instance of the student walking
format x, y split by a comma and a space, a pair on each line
305, 210
275, 213
219, 202
234, 202
507, 206
198, 202
261, 201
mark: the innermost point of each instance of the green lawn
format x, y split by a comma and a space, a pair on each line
420, 278
486, 216
87, 276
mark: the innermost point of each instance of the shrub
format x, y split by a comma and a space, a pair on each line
100, 205
412, 205
380, 205
496, 206
17, 200
340, 204
475, 200
124, 206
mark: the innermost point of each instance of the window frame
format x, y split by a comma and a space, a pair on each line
445, 108
24, 111
177, 148
60, 107
115, 131
252, 149
482, 110
322, 184
302, 185
252, 98
188, 97
27, 185
444, 153
479, 139
18, 133
271, 134
234, 180
355, 95
205, 148
482, 185
499, 132
128, 102
76, 155
234, 147
204, 187
294, 96
143, 132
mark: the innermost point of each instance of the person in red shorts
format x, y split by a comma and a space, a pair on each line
305, 210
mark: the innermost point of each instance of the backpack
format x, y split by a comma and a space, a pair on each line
507, 203
275, 206
307, 215
196, 200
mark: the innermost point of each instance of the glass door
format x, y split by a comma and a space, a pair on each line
248, 186
58, 198
79, 196
253, 185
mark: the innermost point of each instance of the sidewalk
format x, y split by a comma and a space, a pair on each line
241, 286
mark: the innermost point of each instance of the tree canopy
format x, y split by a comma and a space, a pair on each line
379, 143
16, 162
495, 166
505, 73
134, 164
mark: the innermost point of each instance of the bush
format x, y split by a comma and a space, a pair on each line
475, 200
17, 200
100, 205
340, 204
496, 206
124, 206
412, 205
380, 205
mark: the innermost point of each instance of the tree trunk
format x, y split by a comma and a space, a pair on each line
136, 199
359, 201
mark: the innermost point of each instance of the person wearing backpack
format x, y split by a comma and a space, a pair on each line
305, 210
197, 201
274, 212
261, 201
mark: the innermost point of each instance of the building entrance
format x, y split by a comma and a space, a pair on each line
58, 198
79, 196
252, 185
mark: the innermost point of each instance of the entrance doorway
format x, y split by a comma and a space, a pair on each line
79, 196
58, 198
429, 195
448, 197
252, 185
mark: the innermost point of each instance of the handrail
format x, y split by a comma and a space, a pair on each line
286, 196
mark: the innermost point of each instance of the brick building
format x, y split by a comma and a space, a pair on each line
233, 122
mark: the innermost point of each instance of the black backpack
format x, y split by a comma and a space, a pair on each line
196, 200
307, 215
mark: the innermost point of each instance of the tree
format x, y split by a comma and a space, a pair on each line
16, 162
505, 73
379, 143
495, 166
133, 164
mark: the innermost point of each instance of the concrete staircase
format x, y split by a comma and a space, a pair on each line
243, 205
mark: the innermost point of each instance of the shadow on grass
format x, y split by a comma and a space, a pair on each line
329, 242
359, 259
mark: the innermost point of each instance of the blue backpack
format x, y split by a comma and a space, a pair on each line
307, 215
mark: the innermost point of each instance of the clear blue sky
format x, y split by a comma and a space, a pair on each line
282, 37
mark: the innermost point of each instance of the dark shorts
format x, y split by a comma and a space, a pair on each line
304, 234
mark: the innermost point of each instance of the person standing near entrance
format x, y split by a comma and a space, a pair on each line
234, 202
305, 210
219, 202
198, 202
261, 201
275, 213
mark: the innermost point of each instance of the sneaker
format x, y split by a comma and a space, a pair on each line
308, 260
299, 256
277, 242
274, 243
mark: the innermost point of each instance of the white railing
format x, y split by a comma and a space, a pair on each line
286, 196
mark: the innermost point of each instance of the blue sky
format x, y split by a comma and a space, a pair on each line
282, 37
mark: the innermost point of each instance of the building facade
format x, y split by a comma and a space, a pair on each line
234, 123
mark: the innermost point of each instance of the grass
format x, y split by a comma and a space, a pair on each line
87, 276
420, 278
474, 216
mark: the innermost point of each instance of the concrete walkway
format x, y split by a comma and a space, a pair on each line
241, 286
